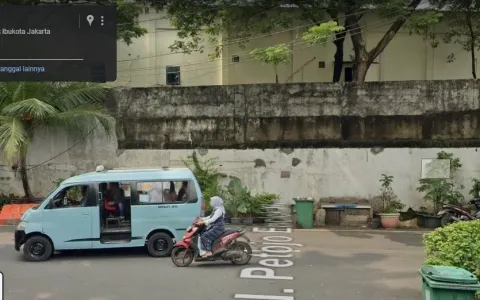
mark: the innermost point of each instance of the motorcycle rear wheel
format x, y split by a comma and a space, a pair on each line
182, 257
447, 219
245, 247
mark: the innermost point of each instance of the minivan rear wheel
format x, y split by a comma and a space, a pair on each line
37, 248
160, 244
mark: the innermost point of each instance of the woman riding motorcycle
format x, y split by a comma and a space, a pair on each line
215, 226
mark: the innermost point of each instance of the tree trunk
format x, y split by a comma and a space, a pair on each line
339, 46
474, 65
364, 59
361, 63
23, 174
360, 71
472, 44
338, 58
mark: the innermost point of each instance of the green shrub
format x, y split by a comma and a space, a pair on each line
443, 190
6, 199
455, 245
474, 192
207, 176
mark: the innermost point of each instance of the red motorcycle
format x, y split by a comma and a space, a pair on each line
453, 213
226, 247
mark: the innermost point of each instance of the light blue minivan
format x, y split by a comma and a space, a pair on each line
112, 209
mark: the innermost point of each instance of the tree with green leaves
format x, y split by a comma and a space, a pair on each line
237, 21
273, 55
462, 18
282, 53
26, 107
127, 13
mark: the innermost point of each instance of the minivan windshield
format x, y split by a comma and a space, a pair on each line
49, 194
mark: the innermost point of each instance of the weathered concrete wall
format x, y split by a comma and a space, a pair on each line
322, 115
320, 173
413, 113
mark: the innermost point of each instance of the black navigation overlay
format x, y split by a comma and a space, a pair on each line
58, 43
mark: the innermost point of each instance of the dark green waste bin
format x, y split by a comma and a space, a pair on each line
304, 212
448, 283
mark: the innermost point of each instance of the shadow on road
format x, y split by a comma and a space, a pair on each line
100, 254
361, 275
414, 239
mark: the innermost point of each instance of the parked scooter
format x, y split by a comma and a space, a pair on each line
453, 213
226, 247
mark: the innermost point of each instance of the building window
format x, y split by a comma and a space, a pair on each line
235, 58
166, 192
348, 74
173, 75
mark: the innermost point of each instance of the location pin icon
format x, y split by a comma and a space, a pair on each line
90, 19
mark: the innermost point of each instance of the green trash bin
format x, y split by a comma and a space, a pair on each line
304, 211
448, 283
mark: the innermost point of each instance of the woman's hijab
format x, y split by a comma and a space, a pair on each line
217, 203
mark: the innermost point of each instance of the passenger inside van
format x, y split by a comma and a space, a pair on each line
182, 193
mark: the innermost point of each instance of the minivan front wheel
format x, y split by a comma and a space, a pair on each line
37, 248
160, 244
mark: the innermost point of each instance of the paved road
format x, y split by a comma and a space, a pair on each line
329, 265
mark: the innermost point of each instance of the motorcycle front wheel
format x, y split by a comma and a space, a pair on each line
447, 219
182, 257
247, 255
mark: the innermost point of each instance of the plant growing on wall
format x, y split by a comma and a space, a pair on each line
274, 55
439, 191
27, 107
207, 176
390, 201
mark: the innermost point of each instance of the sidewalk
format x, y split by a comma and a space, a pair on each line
11, 228
6, 238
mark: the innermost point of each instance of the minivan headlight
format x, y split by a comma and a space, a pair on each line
21, 225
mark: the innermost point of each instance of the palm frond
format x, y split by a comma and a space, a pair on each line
32, 107
82, 119
13, 137
72, 94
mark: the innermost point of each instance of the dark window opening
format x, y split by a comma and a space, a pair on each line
235, 58
348, 74
173, 75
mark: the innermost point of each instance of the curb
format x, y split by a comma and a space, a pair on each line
7, 228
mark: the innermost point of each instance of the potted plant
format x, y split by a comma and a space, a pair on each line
440, 191
391, 206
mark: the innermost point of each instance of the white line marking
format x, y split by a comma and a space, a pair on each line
288, 291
